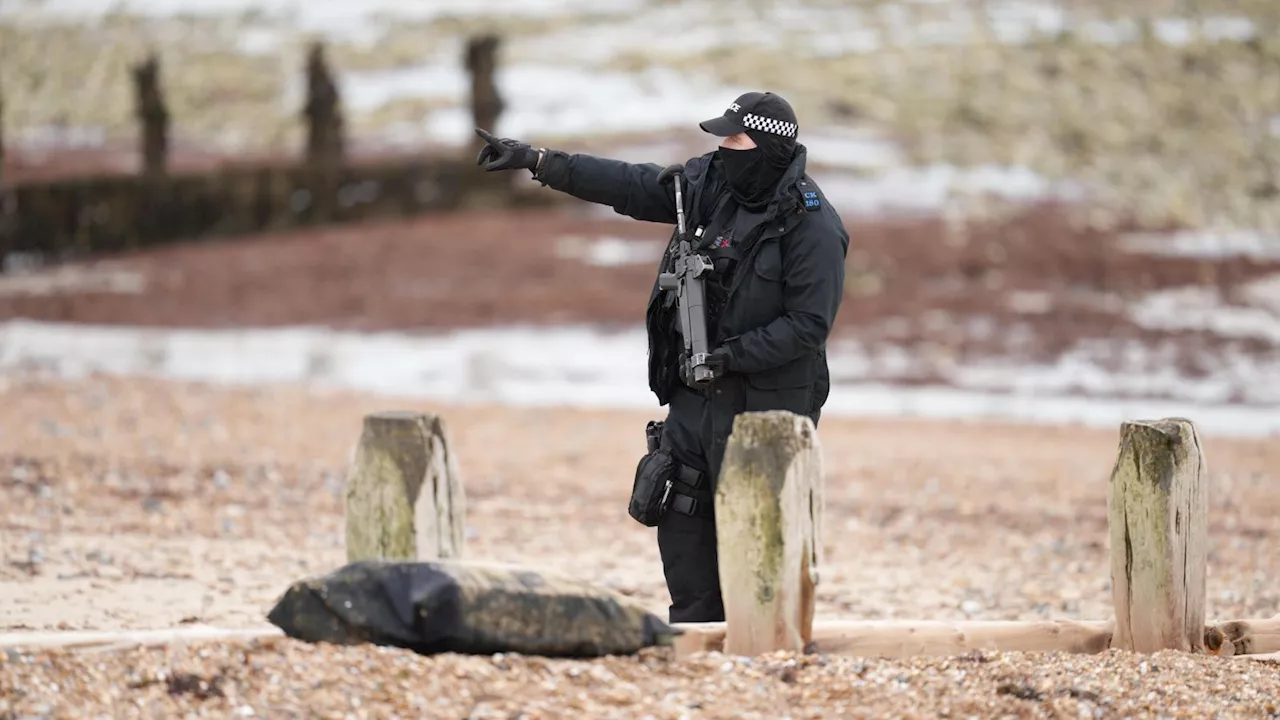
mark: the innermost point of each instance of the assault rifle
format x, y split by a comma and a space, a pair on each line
687, 280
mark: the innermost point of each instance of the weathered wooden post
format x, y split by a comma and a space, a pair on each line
482, 61
480, 57
1157, 511
322, 110
769, 506
1, 135
404, 495
325, 145
152, 114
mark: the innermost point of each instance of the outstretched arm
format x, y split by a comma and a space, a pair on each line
630, 189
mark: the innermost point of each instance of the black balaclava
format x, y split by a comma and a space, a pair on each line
768, 119
753, 174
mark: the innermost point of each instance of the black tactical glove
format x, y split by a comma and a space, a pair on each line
506, 154
717, 362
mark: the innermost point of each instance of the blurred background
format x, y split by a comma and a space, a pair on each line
1059, 210
231, 228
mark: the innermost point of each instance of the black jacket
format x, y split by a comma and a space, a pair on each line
783, 297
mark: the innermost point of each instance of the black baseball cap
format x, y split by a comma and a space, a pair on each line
761, 111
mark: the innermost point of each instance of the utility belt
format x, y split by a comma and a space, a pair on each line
663, 483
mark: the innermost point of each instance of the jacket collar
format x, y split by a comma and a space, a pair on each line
785, 192
786, 201
786, 208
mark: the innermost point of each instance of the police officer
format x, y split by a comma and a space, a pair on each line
778, 248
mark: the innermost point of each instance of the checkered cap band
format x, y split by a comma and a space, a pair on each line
769, 125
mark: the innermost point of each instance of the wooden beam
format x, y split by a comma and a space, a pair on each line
1157, 512
888, 639
896, 639
404, 496
1243, 637
768, 504
121, 639
1269, 657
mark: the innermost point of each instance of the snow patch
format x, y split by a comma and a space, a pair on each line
1199, 308
1209, 244
71, 279
929, 189
584, 367
610, 251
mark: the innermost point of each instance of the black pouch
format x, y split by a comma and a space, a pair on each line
654, 474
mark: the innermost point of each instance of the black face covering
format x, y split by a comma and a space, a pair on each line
752, 174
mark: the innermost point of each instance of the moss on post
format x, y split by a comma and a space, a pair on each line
768, 505
404, 495
1157, 512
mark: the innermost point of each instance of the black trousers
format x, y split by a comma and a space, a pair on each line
696, 431
687, 543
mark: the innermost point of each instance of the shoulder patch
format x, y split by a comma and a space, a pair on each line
808, 194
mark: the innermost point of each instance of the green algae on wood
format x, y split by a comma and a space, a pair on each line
768, 505
404, 495
1157, 512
